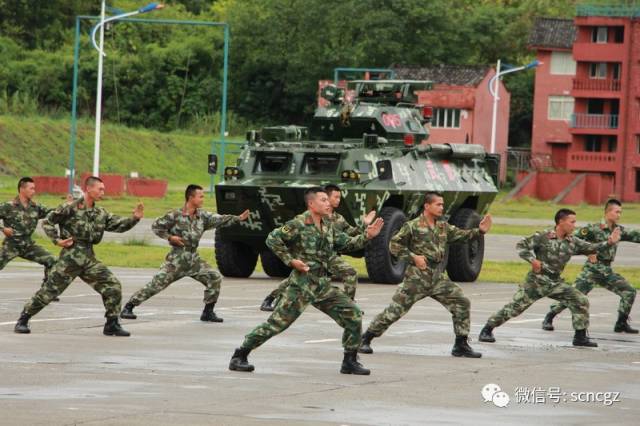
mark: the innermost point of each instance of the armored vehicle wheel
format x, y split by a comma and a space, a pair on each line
235, 259
465, 259
381, 266
273, 266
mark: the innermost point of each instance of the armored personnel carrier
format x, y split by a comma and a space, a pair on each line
375, 148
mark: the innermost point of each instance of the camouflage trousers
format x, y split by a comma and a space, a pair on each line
603, 276
417, 285
29, 251
177, 265
339, 269
536, 287
303, 290
78, 261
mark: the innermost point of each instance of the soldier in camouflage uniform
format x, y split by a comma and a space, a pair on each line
549, 252
422, 243
307, 243
338, 266
81, 226
183, 229
20, 218
597, 270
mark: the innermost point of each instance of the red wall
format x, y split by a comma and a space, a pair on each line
546, 84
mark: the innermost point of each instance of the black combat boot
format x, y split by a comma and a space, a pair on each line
580, 339
208, 315
267, 304
350, 364
239, 360
365, 346
462, 348
486, 334
547, 323
112, 328
623, 326
127, 311
22, 326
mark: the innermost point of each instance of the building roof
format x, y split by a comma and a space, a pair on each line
453, 75
552, 33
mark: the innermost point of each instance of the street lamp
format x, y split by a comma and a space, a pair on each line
494, 86
100, 26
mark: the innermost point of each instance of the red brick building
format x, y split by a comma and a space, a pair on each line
587, 102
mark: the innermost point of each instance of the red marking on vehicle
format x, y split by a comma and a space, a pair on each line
447, 168
391, 120
432, 170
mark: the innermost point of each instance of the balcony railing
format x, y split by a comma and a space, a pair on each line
594, 121
592, 161
608, 85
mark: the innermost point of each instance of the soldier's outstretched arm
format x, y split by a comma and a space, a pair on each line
631, 235
455, 234
119, 223
587, 248
278, 239
213, 220
344, 242
43, 211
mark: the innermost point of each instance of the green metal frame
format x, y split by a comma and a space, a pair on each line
223, 113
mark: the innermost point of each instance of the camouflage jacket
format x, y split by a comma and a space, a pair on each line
554, 253
416, 237
301, 239
22, 220
190, 229
342, 225
84, 225
598, 232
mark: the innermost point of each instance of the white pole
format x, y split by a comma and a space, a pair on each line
96, 146
494, 117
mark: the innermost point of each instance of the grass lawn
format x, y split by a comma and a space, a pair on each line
137, 255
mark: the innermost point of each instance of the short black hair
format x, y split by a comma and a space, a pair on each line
329, 188
612, 202
562, 213
191, 191
91, 180
431, 195
23, 181
311, 193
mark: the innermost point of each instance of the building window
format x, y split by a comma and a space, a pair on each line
637, 180
560, 107
446, 118
562, 63
598, 70
618, 34
615, 73
613, 143
637, 144
593, 143
599, 34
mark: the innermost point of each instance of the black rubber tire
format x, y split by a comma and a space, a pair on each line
465, 259
381, 266
235, 259
273, 266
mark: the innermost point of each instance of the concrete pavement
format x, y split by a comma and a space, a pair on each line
173, 370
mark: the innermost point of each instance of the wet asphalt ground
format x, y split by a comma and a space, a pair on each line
173, 369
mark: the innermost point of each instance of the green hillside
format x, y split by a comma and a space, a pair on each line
40, 146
